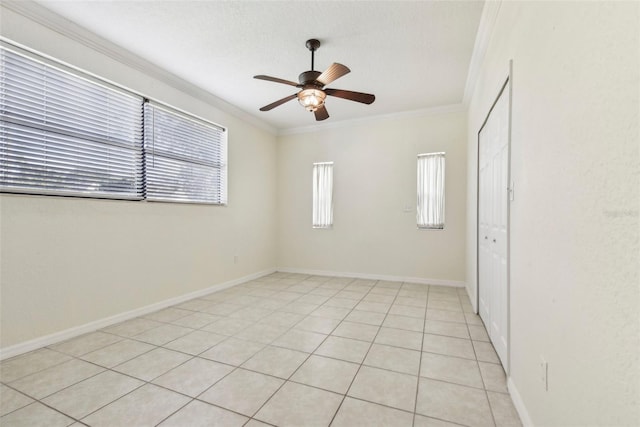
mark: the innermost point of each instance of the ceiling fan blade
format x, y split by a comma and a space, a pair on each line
334, 72
365, 98
275, 79
279, 102
321, 113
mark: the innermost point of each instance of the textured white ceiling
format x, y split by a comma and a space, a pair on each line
412, 55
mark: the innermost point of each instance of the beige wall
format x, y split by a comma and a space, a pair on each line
374, 180
67, 262
575, 222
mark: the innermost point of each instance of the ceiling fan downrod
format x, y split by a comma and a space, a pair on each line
313, 45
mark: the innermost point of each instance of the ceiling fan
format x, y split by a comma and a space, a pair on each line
312, 83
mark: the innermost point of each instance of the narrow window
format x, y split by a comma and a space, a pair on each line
64, 133
431, 191
185, 157
323, 195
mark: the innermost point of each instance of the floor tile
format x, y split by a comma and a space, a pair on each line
133, 327
329, 374
336, 313
35, 415
367, 317
282, 319
85, 343
223, 308
448, 346
26, 364
394, 359
250, 313
453, 403
445, 316
287, 296
195, 342
473, 319
358, 413
404, 322
344, 349
375, 307
485, 352
299, 405
44, 383
167, 315
385, 387
341, 302
194, 376
436, 327
351, 295
299, 308
227, 326
504, 412
152, 364
412, 302
10, 400
379, 298
494, 377
400, 338
242, 391
313, 299
162, 334
478, 333
87, 396
199, 414
146, 406
276, 361
317, 324
444, 305
117, 353
422, 421
451, 369
297, 339
357, 331
262, 333
406, 310
197, 320
232, 351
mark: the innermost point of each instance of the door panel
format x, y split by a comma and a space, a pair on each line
493, 196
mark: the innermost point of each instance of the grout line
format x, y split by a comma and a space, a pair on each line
424, 325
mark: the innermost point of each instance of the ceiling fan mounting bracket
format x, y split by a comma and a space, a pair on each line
313, 44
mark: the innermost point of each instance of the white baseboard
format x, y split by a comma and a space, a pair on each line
454, 283
519, 404
66, 334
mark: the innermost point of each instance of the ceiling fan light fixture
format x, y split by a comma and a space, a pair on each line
311, 99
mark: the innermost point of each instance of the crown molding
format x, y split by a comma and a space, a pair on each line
75, 32
483, 37
433, 111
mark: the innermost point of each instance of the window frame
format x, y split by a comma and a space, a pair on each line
322, 202
139, 165
424, 199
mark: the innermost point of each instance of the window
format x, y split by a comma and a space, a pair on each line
323, 195
431, 191
185, 158
66, 133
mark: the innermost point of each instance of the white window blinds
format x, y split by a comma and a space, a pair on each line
62, 133
323, 195
185, 158
431, 191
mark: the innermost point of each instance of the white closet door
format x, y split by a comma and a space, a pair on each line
493, 198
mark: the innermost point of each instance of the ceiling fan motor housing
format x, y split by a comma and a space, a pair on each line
308, 78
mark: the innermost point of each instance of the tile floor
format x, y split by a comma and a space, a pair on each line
284, 350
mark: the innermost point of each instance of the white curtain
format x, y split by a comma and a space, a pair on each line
322, 195
431, 190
